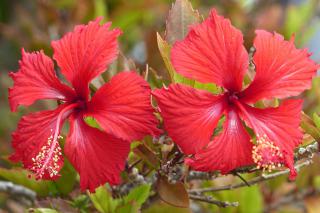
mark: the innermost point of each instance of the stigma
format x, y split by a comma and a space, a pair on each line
266, 154
48, 162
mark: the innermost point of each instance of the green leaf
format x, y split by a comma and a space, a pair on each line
21, 177
180, 17
316, 120
316, 182
250, 200
64, 4
91, 122
66, 182
175, 77
100, 8
63, 185
309, 126
81, 202
139, 195
103, 201
180, 79
298, 16
162, 207
131, 207
165, 49
209, 87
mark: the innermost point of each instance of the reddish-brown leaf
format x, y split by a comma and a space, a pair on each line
173, 194
146, 154
180, 17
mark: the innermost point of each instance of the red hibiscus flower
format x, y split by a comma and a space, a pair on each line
213, 52
121, 107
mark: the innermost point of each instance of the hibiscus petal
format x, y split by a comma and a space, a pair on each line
33, 144
85, 53
282, 70
229, 150
279, 125
97, 156
212, 52
123, 108
36, 79
189, 115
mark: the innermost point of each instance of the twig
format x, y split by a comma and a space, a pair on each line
195, 175
210, 200
134, 164
241, 178
17, 190
292, 198
250, 182
301, 154
306, 151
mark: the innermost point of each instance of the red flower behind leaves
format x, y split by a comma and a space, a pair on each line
213, 52
121, 107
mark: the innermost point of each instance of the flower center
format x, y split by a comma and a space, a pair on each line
48, 161
266, 154
232, 97
81, 104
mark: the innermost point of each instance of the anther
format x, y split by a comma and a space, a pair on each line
46, 161
266, 154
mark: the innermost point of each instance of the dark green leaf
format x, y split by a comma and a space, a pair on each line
66, 182
21, 177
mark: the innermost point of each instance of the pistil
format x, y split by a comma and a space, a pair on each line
266, 154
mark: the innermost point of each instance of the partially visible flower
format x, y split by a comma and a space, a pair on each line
213, 52
121, 107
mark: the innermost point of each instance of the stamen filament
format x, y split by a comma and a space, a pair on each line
39, 165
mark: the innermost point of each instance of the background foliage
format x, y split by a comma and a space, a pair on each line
32, 24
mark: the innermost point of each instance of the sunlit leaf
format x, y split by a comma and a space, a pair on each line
43, 210
91, 122
209, 87
103, 201
164, 49
316, 119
